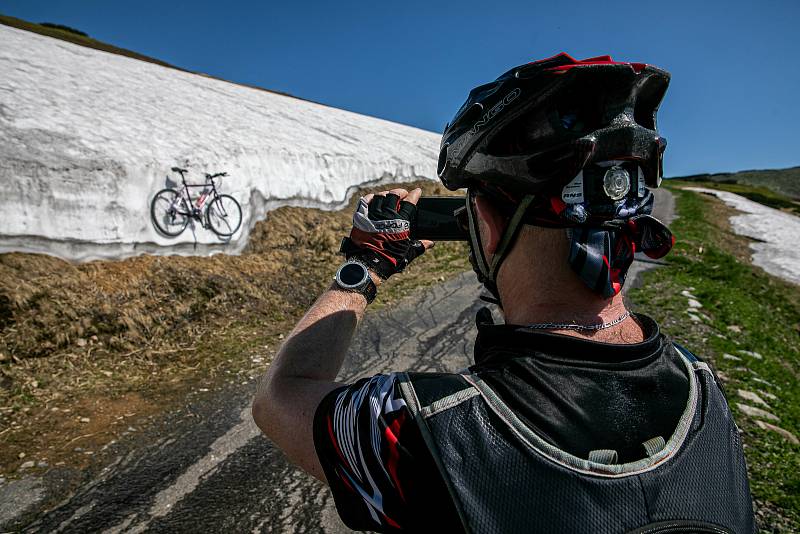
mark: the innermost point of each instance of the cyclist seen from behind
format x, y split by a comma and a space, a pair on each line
577, 415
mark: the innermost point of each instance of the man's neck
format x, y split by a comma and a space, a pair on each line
541, 314
568, 300
537, 286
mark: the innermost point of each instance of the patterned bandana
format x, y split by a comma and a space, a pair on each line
602, 255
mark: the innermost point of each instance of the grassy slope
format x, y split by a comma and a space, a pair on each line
785, 182
743, 309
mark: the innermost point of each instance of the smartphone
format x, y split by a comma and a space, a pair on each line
437, 221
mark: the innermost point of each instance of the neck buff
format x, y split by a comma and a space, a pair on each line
601, 255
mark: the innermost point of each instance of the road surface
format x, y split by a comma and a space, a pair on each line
208, 468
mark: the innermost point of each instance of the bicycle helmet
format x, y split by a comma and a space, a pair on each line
565, 143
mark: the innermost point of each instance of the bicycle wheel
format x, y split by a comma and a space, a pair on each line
224, 215
168, 212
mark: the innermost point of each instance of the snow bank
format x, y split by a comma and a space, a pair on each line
776, 251
87, 138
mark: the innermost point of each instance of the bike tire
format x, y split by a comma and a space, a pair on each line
224, 215
168, 220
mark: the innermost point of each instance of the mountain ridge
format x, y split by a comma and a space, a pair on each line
782, 181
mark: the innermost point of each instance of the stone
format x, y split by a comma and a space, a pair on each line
694, 303
762, 381
752, 397
692, 316
27, 465
85, 419
767, 394
80, 342
755, 413
735, 328
687, 294
752, 354
782, 431
727, 356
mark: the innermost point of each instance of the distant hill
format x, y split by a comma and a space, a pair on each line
65, 33
71, 35
783, 181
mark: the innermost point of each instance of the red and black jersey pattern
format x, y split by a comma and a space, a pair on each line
380, 472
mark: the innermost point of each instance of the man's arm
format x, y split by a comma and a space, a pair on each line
305, 368
304, 371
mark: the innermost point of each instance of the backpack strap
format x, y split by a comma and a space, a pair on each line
427, 394
699, 365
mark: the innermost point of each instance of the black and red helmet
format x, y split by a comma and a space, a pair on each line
565, 143
538, 125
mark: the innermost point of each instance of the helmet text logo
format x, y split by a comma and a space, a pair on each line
489, 115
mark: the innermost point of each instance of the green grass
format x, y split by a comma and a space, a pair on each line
764, 313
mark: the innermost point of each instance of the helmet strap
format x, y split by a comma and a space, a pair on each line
486, 271
509, 236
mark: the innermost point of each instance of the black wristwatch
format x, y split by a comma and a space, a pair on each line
354, 276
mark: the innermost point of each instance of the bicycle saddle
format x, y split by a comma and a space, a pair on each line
178, 169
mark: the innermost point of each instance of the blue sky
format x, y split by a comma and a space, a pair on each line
734, 101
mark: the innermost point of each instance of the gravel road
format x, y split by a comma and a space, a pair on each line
208, 468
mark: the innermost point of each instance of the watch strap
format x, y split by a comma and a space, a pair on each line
370, 291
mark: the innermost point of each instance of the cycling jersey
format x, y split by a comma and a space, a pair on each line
576, 395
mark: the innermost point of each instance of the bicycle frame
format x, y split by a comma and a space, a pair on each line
195, 206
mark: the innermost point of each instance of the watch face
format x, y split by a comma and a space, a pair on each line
352, 275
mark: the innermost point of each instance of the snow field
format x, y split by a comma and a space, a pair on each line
87, 138
775, 251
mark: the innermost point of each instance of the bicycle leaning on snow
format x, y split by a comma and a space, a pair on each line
172, 209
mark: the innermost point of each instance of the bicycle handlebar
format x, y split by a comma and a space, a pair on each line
210, 176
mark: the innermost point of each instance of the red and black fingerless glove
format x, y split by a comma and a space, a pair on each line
381, 235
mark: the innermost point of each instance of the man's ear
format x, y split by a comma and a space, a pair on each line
490, 223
